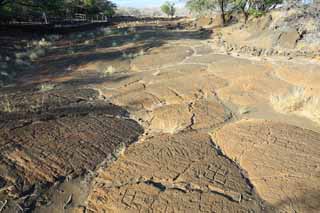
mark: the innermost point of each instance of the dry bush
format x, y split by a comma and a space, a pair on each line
290, 102
46, 87
311, 109
6, 105
298, 102
105, 70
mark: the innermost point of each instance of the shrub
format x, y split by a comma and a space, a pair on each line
256, 13
46, 87
290, 102
168, 8
6, 105
297, 102
105, 71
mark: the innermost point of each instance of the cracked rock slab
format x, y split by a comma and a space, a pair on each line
160, 57
188, 87
249, 82
71, 138
209, 114
282, 161
171, 118
173, 173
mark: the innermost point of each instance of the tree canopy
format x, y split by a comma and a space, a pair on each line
247, 7
56, 8
168, 8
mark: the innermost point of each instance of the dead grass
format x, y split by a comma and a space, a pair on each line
290, 102
46, 87
105, 70
311, 109
244, 110
6, 105
298, 102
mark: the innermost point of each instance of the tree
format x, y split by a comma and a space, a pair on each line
103, 7
4, 2
247, 7
255, 7
223, 6
265, 5
168, 8
55, 8
199, 6
244, 6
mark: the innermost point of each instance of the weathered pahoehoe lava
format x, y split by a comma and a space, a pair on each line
197, 92
44, 145
282, 161
173, 173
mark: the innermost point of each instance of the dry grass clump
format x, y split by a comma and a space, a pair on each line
107, 31
297, 102
106, 71
46, 87
54, 37
6, 105
87, 42
114, 44
291, 102
133, 55
311, 109
44, 43
244, 110
36, 53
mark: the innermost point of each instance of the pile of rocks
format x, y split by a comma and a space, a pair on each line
291, 32
303, 19
255, 51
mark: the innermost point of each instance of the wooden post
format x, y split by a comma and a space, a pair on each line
45, 17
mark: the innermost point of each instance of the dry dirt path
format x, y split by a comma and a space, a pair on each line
214, 138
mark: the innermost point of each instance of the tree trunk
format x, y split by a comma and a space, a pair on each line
246, 17
245, 10
222, 12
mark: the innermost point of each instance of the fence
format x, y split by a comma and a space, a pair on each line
43, 19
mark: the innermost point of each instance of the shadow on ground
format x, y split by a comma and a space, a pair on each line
309, 199
121, 46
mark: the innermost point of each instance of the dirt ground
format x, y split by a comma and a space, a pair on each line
157, 117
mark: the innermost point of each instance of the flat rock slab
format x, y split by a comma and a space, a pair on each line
41, 147
209, 113
249, 82
187, 87
282, 161
302, 73
171, 118
160, 57
166, 94
33, 100
173, 173
289, 39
